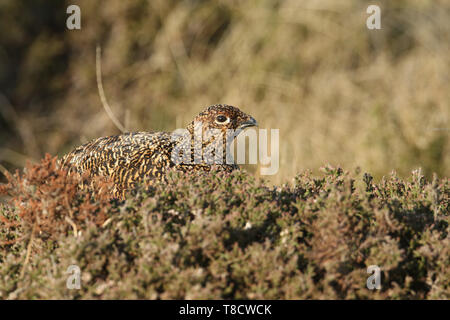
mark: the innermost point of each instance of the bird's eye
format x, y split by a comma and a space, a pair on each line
221, 119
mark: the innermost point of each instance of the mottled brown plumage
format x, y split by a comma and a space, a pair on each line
134, 157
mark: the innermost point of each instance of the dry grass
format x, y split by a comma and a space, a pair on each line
339, 93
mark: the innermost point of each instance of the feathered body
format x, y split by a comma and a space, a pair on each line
130, 158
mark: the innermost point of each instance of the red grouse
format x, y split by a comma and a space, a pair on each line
130, 158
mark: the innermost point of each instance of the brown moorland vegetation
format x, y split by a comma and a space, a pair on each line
219, 236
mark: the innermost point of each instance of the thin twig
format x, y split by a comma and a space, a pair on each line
101, 92
5, 171
14, 157
106, 222
27, 257
9, 242
74, 226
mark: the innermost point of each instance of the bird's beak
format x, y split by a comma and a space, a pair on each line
249, 123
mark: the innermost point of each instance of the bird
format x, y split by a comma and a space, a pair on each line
131, 158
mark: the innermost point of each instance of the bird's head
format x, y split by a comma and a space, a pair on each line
223, 117
213, 128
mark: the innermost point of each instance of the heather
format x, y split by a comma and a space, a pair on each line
222, 236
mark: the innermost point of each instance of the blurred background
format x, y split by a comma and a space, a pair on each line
338, 92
